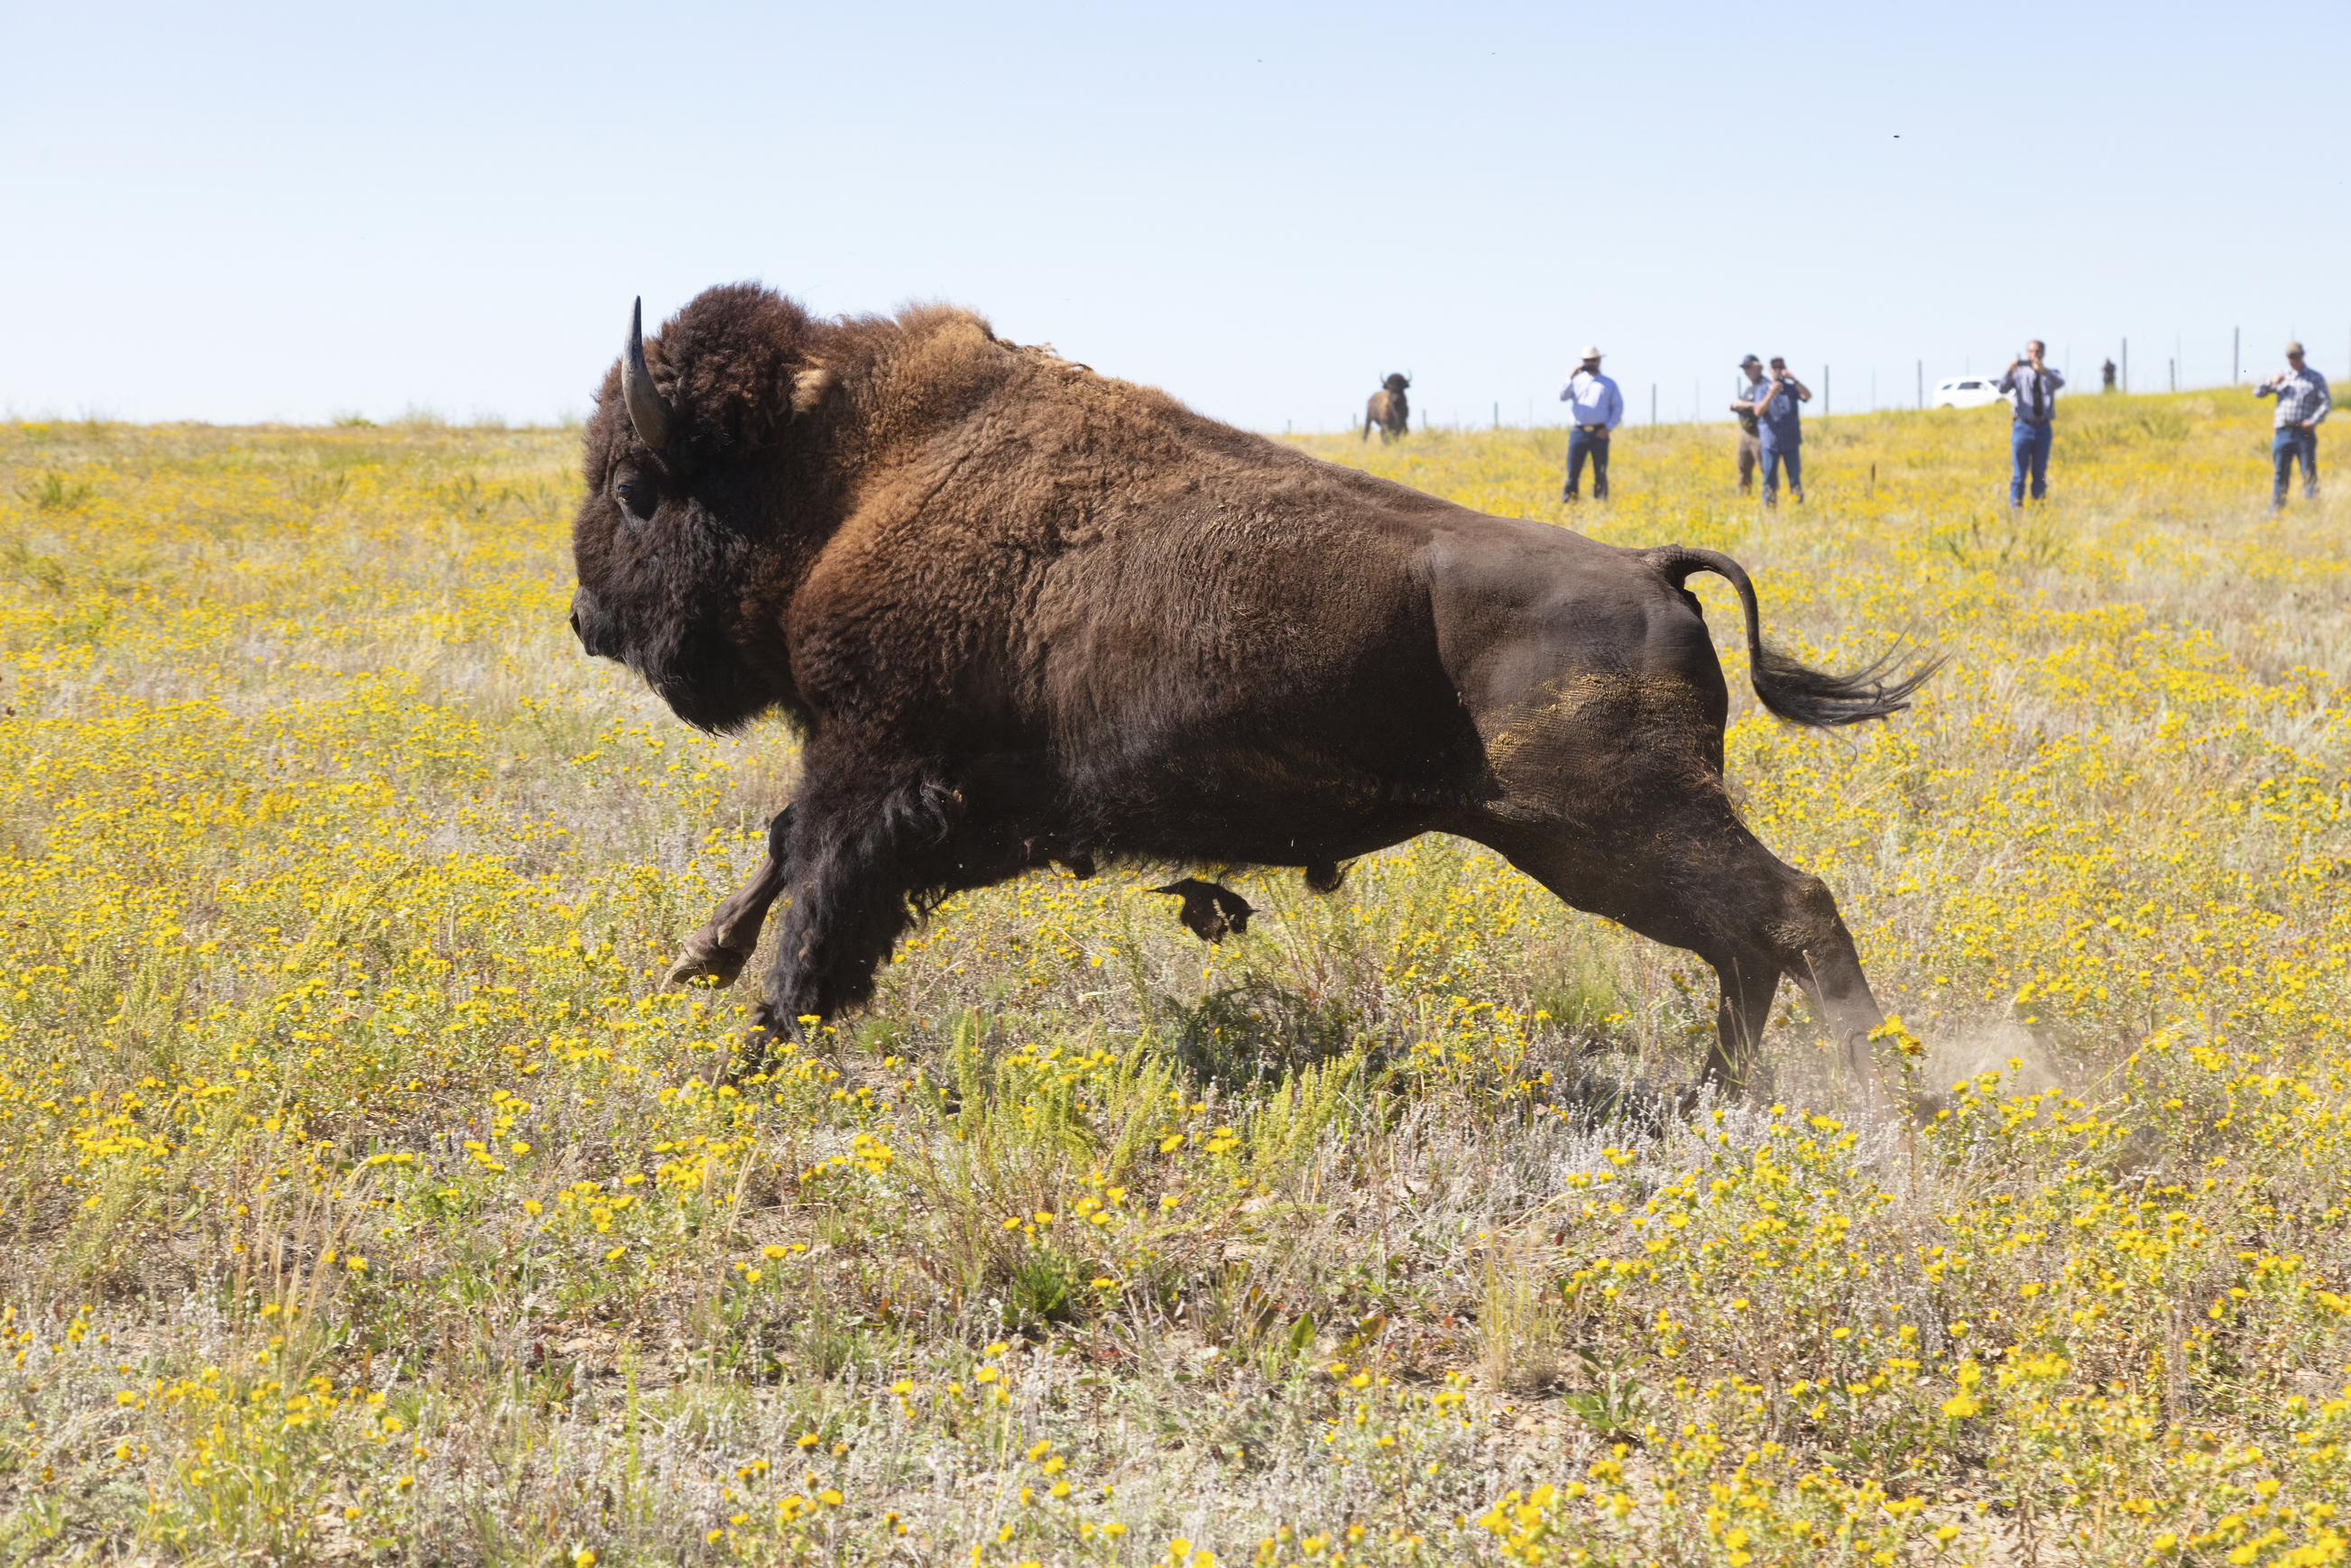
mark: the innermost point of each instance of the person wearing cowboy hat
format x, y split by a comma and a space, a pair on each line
1750, 436
2303, 404
1598, 408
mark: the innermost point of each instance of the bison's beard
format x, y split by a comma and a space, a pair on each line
702, 679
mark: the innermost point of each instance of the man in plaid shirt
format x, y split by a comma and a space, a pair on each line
2034, 387
2302, 404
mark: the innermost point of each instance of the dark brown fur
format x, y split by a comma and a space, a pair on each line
1388, 410
1025, 614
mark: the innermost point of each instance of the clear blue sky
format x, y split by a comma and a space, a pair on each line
244, 211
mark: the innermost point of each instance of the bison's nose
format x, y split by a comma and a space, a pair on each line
582, 624
595, 630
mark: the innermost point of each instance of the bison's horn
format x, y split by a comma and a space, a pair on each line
647, 409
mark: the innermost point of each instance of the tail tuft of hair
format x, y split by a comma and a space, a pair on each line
1800, 694
1803, 695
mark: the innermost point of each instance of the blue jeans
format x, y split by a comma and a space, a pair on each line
1583, 444
2288, 445
1775, 457
2028, 451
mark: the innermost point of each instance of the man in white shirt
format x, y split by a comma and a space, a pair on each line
1598, 408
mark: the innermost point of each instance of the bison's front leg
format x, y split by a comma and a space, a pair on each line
718, 951
860, 847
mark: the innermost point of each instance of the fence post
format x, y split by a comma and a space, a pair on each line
2236, 351
2126, 364
1922, 386
1824, 391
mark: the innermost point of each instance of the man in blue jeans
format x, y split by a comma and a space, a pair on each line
2302, 403
1782, 432
1598, 408
2034, 387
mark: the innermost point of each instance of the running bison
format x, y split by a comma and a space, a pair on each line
1387, 410
1024, 613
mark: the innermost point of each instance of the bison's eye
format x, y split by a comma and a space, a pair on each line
638, 498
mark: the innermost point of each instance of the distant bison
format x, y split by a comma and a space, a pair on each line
1023, 613
1387, 410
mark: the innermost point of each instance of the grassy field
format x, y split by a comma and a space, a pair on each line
364, 1200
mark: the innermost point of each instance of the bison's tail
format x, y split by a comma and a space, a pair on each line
1802, 696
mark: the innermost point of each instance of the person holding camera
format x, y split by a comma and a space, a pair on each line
2303, 404
1598, 408
2032, 387
1781, 442
1751, 433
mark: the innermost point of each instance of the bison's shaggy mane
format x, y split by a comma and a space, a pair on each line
719, 365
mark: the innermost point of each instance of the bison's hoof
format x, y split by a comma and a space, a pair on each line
1928, 1106
1209, 911
704, 959
754, 1053
1324, 876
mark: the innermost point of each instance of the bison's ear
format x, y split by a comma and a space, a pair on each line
809, 388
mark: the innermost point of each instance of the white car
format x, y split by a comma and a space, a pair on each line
1968, 391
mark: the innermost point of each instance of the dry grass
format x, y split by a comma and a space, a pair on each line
366, 1200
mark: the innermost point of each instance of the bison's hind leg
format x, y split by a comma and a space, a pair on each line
1749, 980
1699, 881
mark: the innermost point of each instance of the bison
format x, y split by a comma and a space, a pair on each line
1023, 613
1387, 410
